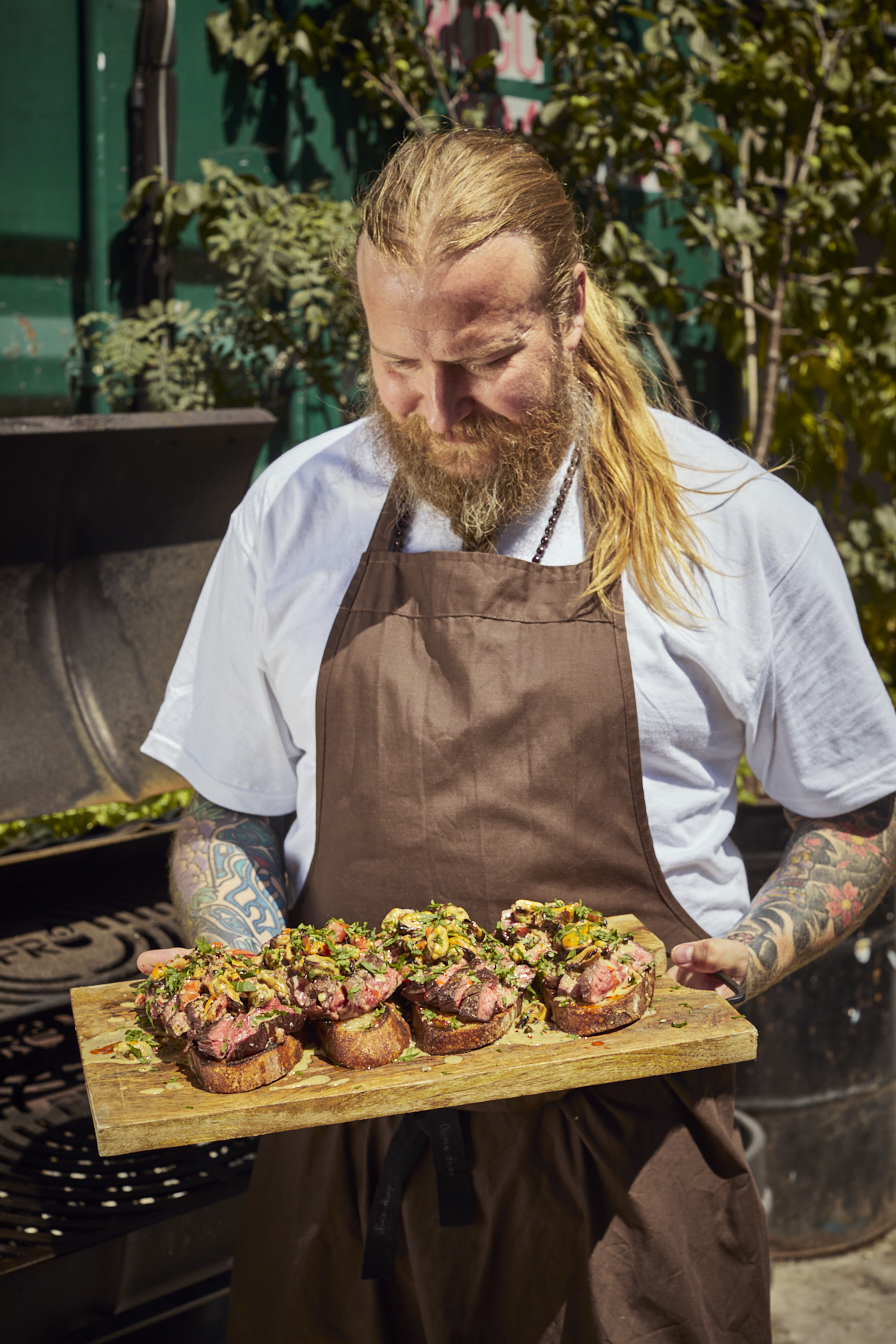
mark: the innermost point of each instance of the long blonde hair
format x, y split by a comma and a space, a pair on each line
443, 194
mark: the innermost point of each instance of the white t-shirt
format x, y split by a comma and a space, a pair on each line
775, 666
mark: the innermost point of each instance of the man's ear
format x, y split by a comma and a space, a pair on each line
577, 322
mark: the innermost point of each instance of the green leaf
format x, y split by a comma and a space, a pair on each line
655, 37
251, 45
301, 42
551, 110
221, 31
702, 45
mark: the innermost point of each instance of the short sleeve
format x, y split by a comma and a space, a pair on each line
824, 739
219, 725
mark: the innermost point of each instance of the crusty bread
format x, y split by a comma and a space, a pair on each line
365, 1042
617, 1009
245, 1075
438, 1034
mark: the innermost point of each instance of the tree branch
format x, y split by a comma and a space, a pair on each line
838, 275
672, 367
738, 299
392, 91
762, 445
748, 296
441, 87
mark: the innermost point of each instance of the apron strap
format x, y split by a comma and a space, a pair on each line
383, 537
450, 1161
442, 1128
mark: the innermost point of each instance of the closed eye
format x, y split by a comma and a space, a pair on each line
488, 364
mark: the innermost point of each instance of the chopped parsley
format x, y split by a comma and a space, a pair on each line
174, 980
135, 1034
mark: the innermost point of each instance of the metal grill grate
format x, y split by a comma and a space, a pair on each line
56, 1193
39, 967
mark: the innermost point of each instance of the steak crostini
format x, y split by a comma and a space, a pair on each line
463, 986
592, 977
342, 982
240, 1027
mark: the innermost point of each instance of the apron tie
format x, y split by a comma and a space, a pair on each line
442, 1129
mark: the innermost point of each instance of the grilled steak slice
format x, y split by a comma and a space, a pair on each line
334, 974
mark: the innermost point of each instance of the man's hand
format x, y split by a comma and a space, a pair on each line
147, 960
694, 964
833, 874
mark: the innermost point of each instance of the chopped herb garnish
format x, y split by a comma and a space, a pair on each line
135, 1034
174, 980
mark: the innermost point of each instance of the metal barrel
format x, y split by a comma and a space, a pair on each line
823, 1085
756, 1151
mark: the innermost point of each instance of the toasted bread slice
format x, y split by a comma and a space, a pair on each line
245, 1075
620, 1008
365, 1042
439, 1034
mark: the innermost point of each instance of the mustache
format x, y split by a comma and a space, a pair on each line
479, 437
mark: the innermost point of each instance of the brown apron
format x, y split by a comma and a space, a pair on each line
478, 742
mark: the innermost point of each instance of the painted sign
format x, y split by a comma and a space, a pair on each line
465, 29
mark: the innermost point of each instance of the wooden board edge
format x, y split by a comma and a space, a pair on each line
307, 1112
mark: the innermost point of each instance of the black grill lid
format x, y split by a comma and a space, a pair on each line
108, 525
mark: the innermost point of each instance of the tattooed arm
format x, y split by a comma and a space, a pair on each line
833, 873
228, 882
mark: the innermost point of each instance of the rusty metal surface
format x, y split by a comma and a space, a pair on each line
108, 525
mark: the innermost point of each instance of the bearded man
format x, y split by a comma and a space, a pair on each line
509, 635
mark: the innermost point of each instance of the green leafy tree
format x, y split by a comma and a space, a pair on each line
756, 140
768, 135
763, 140
282, 311
382, 48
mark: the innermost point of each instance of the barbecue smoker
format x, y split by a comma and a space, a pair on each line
107, 528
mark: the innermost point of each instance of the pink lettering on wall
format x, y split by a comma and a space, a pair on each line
465, 29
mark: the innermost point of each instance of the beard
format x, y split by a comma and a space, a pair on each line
500, 468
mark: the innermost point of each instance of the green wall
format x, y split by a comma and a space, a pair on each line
50, 150
39, 201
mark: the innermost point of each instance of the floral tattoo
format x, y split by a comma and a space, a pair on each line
833, 874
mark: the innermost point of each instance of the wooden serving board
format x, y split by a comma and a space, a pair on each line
137, 1106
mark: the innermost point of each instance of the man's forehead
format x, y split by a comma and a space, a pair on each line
505, 268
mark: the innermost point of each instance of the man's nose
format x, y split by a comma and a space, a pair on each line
445, 398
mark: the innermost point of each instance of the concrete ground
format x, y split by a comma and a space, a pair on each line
838, 1298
